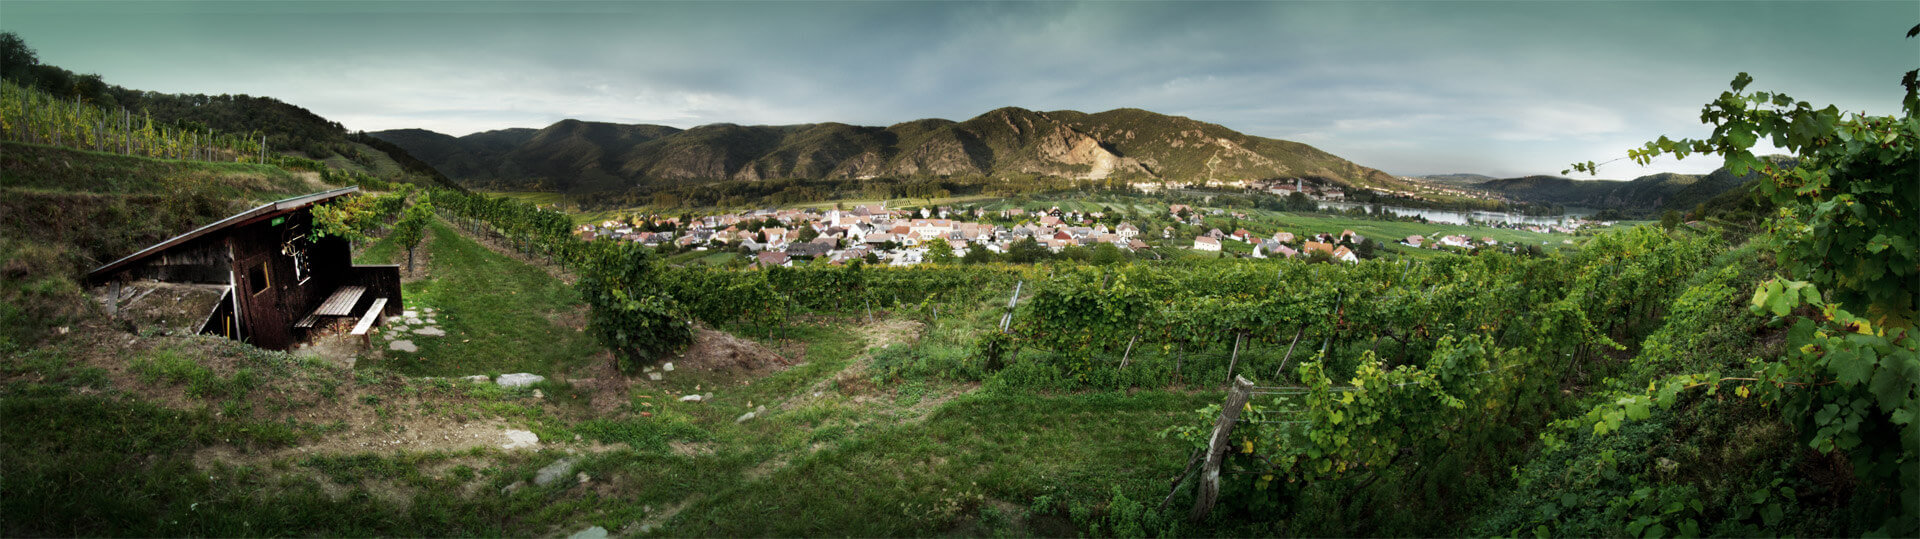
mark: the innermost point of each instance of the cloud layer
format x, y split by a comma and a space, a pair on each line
1412, 88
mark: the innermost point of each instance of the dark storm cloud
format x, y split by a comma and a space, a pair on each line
1500, 88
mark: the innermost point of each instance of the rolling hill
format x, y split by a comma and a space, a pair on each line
1121, 144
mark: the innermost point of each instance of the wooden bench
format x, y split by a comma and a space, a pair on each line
366, 322
372, 315
340, 303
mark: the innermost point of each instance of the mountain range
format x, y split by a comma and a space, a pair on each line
1120, 144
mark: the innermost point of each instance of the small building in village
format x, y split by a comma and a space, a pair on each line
276, 279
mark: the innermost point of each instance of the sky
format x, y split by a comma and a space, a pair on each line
1496, 88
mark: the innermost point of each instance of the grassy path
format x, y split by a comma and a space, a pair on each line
500, 315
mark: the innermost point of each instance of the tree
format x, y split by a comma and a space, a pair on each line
1027, 251
1669, 220
17, 60
1298, 201
806, 234
977, 254
412, 228
939, 251
1106, 254
1076, 253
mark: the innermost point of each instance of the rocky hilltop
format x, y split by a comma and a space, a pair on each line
1121, 144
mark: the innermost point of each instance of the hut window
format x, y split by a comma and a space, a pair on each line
257, 279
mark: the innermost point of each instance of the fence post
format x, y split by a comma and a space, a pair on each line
1217, 448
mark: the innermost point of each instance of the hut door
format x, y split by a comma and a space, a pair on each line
260, 297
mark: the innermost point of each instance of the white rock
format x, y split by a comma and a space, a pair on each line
553, 472
410, 314
690, 398
519, 379
403, 346
431, 331
481, 378
517, 439
668, 366
744, 417
653, 376
538, 395
595, 532
411, 321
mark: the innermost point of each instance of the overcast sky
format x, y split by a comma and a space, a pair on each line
1499, 88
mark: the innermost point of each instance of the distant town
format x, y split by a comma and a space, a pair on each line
877, 234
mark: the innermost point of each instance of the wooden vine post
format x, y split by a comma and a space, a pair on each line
1217, 447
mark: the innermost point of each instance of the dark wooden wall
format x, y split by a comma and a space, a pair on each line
267, 316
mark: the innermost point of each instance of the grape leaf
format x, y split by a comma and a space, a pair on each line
1849, 367
1894, 382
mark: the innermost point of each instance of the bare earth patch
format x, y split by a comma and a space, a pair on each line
721, 351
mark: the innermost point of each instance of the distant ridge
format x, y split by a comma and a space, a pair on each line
1457, 178
1652, 193
1120, 144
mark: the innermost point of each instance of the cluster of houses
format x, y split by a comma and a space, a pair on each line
1278, 187
1437, 241
1280, 245
891, 236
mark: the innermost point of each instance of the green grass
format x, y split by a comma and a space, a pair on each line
498, 314
925, 478
704, 258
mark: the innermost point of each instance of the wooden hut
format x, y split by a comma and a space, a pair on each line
277, 278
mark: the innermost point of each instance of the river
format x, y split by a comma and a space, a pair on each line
1461, 217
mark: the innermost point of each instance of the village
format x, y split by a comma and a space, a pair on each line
876, 234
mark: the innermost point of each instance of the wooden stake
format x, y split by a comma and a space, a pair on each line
1283, 360
1236, 355
1217, 446
1129, 353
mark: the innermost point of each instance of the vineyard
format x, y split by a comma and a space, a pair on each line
33, 116
1689, 379
1389, 366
